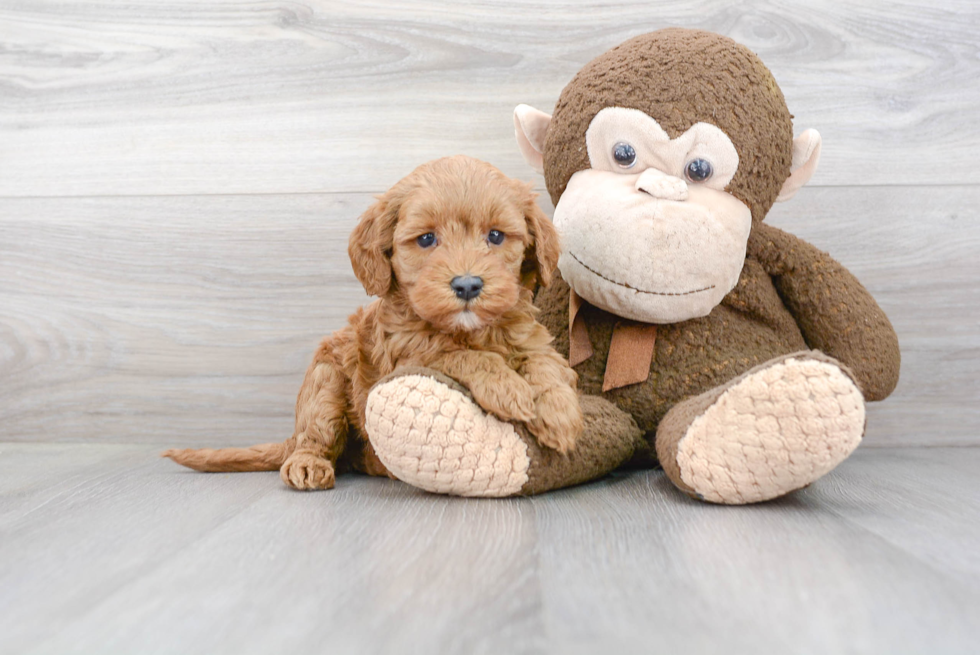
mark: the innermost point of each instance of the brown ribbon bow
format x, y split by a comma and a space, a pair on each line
630, 352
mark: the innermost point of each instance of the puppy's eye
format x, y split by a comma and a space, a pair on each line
426, 240
698, 170
496, 237
624, 154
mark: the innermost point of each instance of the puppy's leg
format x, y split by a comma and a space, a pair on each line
557, 420
496, 387
321, 424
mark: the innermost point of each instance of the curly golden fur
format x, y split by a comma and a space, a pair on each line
473, 221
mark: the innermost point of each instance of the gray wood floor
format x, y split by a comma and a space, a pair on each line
177, 183
108, 549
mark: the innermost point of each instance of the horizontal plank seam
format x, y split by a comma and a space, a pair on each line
382, 190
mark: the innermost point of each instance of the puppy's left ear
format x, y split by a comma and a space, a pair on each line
541, 255
370, 246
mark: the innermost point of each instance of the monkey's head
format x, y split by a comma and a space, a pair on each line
661, 155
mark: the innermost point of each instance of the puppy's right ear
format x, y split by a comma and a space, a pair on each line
370, 246
541, 255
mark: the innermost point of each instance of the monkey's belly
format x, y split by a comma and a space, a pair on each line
746, 330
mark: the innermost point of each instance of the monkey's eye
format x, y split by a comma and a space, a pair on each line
698, 170
496, 237
624, 154
426, 240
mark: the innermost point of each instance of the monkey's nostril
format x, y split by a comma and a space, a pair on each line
467, 287
661, 186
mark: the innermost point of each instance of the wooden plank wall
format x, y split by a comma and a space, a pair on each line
178, 180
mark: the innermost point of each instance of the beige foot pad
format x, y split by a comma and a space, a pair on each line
437, 438
775, 430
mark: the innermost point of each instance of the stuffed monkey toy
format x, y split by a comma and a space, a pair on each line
732, 353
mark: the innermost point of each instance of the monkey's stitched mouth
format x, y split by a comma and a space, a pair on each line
632, 288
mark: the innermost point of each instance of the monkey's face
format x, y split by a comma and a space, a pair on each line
649, 232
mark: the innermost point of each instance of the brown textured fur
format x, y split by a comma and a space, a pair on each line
790, 295
497, 350
681, 77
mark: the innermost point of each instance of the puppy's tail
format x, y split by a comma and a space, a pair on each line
262, 457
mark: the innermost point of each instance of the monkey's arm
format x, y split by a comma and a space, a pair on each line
834, 311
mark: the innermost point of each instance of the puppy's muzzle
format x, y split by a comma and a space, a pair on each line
467, 287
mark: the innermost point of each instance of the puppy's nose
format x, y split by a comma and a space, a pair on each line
467, 287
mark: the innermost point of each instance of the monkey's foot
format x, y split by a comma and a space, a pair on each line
775, 429
429, 432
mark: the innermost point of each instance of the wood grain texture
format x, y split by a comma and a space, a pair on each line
190, 320
226, 97
796, 575
914, 249
108, 549
177, 184
149, 319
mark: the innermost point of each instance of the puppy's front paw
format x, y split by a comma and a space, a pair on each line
558, 419
508, 396
307, 471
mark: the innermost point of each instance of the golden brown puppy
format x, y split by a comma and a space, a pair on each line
452, 251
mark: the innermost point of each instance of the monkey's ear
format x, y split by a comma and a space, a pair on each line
370, 246
530, 127
541, 254
806, 154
